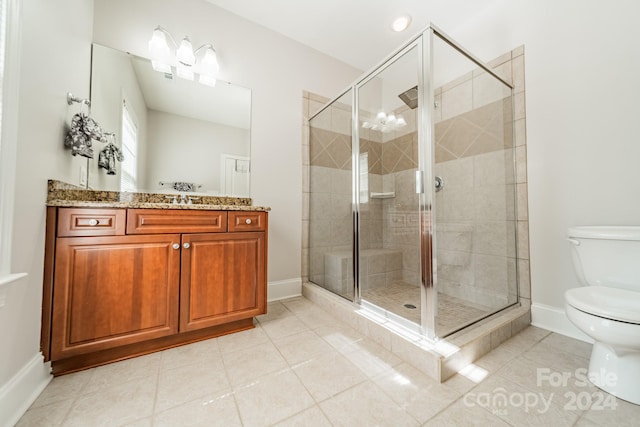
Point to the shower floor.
(452, 312)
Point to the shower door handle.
(419, 182)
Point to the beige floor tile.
(371, 358)
(312, 417)
(302, 347)
(610, 411)
(299, 355)
(298, 305)
(272, 398)
(459, 415)
(131, 369)
(208, 411)
(145, 422)
(242, 340)
(566, 344)
(46, 416)
(412, 390)
(463, 383)
(584, 422)
(328, 375)
(247, 365)
(114, 406)
(497, 358)
(275, 310)
(365, 405)
(512, 348)
(200, 353)
(543, 373)
(63, 388)
(186, 383)
(521, 406)
(315, 318)
(341, 337)
(284, 326)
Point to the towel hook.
(71, 99)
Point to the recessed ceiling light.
(401, 23)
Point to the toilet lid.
(610, 303)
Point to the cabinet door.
(113, 291)
(223, 278)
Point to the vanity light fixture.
(186, 62)
(401, 23)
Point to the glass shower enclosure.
(412, 190)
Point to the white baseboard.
(22, 390)
(283, 289)
(554, 319)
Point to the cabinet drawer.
(79, 222)
(151, 221)
(247, 221)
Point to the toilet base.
(616, 373)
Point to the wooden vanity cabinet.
(112, 291)
(164, 278)
(222, 278)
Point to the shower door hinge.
(419, 183)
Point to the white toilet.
(607, 308)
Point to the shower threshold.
(441, 358)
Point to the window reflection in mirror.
(169, 130)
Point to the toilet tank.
(606, 255)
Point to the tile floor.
(452, 312)
(301, 367)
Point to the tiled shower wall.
(474, 258)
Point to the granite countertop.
(61, 194)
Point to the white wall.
(275, 68)
(581, 65)
(188, 150)
(55, 58)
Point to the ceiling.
(225, 103)
(357, 32)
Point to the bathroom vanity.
(125, 278)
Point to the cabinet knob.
(93, 222)
(248, 221)
(186, 245)
(176, 246)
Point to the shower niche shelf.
(387, 195)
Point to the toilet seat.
(610, 303)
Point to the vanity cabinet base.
(90, 360)
(113, 292)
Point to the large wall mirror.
(175, 135)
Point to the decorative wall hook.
(74, 99)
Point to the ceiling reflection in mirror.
(174, 135)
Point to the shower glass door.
(388, 205)
(331, 199)
(475, 244)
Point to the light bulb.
(391, 119)
(400, 122)
(184, 54)
(381, 116)
(209, 64)
(401, 23)
(158, 47)
(366, 125)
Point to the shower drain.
(411, 306)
